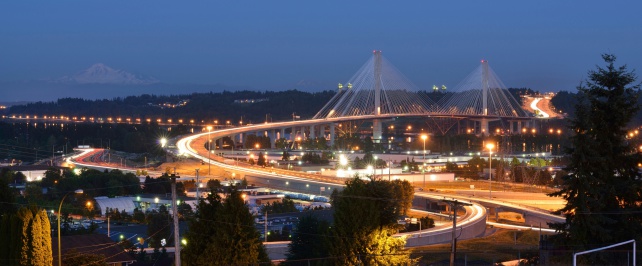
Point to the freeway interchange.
(473, 223)
(470, 225)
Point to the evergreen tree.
(222, 233)
(26, 238)
(309, 242)
(285, 156)
(285, 206)
(159, 226)
(602, 189)
(261, 160)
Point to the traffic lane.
(294, 185)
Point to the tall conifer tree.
(222, 233)
(26, 238)
(603, 186)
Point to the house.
(92, 244)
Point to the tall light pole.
(374, 173)
(209, 149)
(177, 241)
(198, 194)
(490, 148)
(77, 191)
(423, 168)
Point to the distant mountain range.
(102, 74)
(100, 81)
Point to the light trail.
(539, 111)
(474, 213)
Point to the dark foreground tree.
(603, 184)
(365, 218)
(310, 242)
(159, 227)
(222, 233)
(7, 198)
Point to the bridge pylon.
(483, 98)
(376, 123)
(377, 89)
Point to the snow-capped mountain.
(102, 74)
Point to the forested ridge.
(251, 106)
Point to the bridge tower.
(376, 123)
(484, 122)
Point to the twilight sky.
(544, 45)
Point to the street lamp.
(490, 148)
(343, 160)
(77, 191)
(374, 173)
(209, 149)
(423, 169)
(163, 141)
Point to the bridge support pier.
(376, 131)
(312, 133)
(272, 137)
(332, 134)
(484, 127)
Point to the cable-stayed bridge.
(378, 89)
(378, 92)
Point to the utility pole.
(198, 195)
(265, 233)
(177, 241)
(454, 204)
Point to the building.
(92, 244)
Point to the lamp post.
(177, 243)
(198, 194)
(77, 191)
(490, 147)
(423, 168)
(209, 149)
(374, 173)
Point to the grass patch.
(503, 245)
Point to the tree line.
(223, 106)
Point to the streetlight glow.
(163, 141)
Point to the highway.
(187, 145)
(474, 222)
(540, 111)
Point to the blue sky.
(544, 45)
